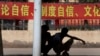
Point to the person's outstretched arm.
(72, 37)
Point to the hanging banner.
(71, 11)
(24, 10)
(16, 10)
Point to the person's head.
(64, 30)
(45, 28)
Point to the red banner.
(16, 10)
(71, 11)
(19, 10)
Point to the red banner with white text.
(21, 10)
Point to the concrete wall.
(11, 35)
(73, 0)
(89, 36)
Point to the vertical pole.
(37, 28)
(1, 43)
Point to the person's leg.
(48, 48)
(57, 54)
(68, 44)
(65, 53)
(58, 49)
(43, 50)
(66, 47)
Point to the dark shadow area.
(55, 42)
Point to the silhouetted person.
(59, 47)
(45, 38)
